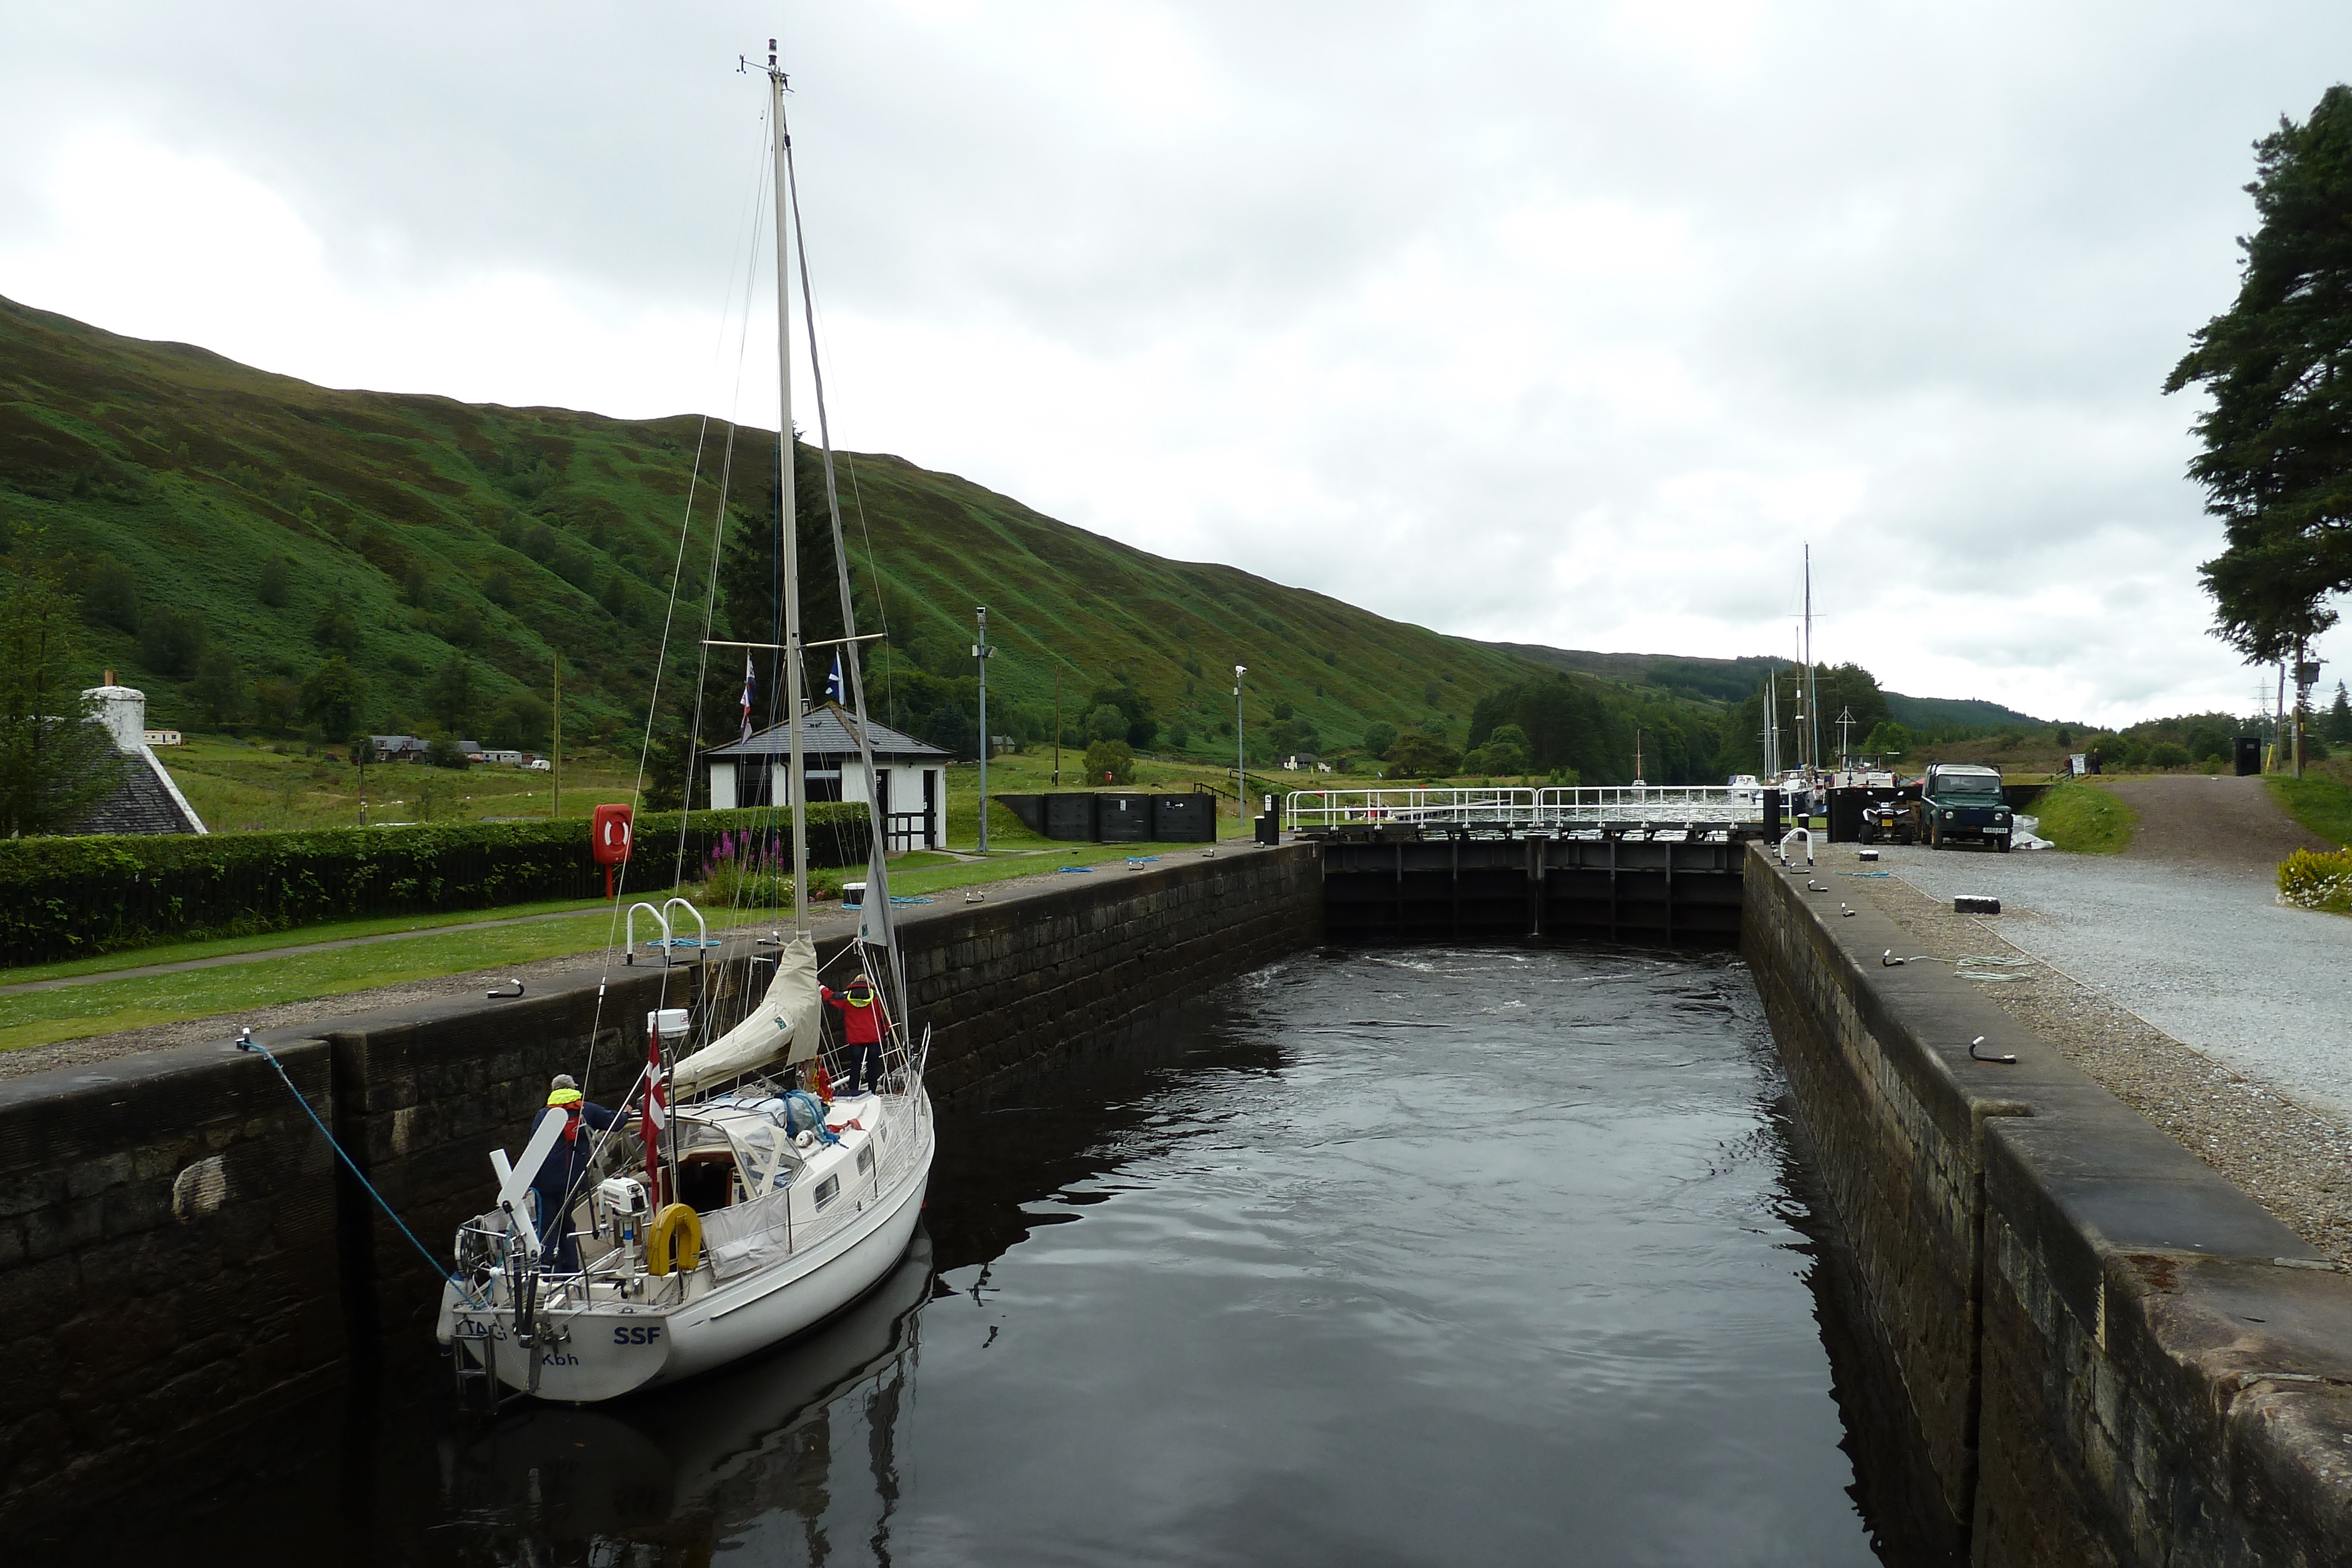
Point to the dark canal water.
(1373, 1258)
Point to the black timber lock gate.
(1464, 889)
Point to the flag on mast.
(748, 679)
(833, 682)
(656, 1114)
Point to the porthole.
(827, 1190)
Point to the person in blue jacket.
(561, 1176)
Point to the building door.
(931, 834)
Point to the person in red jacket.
(862, 1023)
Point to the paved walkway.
(2185, 930)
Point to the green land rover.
(1960, 803)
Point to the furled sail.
(782, 1028)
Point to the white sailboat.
(738, 1209)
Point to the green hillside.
(230, 532)
(1733, 680)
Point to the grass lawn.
(338, 931)
(2320, 803)
(251, 785)
(105, 1007)
(2086, 819)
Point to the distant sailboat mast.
(1813, 687)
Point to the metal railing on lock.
(1557, 809)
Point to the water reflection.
(669, 1478)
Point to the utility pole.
(983, 653)
(1057, 729)
(2306, 675)
(1241, 752)
(2278, 722)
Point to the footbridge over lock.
(1642, 863)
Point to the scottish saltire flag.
(654, 1117)
(747, 697)
(833, 682)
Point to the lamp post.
(981, 652)
(1241, 752)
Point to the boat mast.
(874, 919)
(787, 512)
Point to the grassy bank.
(2322, 803)
(106, 1007)
(2086, 819)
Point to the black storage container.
(1184, 818)
(1070, 818)
(2249, 755)
(1845, 815)
(1123, 819)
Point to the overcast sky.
(1566, 323)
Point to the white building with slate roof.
(911, 775)
(146, 802)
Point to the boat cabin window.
(865, 1159)
(706, 1167)
(706, 1182)
(827, 1190)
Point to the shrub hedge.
(75, 897)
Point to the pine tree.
(54, 764)
(2277, 460)
(2337, 728)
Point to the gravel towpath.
(2293, 1155)
(2212, 824)
(2198, 947)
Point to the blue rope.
(246, 1042)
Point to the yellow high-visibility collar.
(564, 1097)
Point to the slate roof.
(143, 803)
(825, 732)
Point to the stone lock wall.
(2112, 1355)
(168, 1260)
(180, 1251)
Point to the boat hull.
(606, 1349)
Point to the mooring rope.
(244, 1042)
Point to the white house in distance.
(912, 776)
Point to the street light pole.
(1241, 752)
(981, 652)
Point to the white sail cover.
(782, 1027)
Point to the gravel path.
(2205, 953)
(2213, 824)
(2284, 1149)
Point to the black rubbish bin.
(1269, 830)
(2249, 755)
(1772, 829)
(1845, 815)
